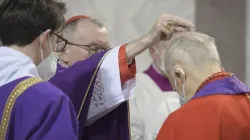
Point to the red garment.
(127, 71)
(214, 117)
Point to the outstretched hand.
(166, 25)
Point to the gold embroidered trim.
(90, 83)
(16, 92)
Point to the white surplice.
(14, 65)
(149, 107)
(108, 92)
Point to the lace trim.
(98, 99)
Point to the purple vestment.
(78, 82)
(40, 112)
(230, 86)
(160, 80)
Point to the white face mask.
(47, 68)
(182, 96)
(161, 67)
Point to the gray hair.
(191, 48)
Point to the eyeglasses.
(92, 49)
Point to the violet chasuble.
(29, 108)
(84, 82)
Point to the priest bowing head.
(190, 58)
(85, 36)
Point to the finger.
(190, 29)
(179, 29)
(180, 21)
(166, 33)
(165, 30)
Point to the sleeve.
(198, 122)
(127, 70)
(44, 112)
(109, 91)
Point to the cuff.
(127, 71)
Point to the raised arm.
(163, 29)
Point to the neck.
(199, 79)
(28, 50)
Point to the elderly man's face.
(87, 40)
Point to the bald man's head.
(189, 59)
(86, 36)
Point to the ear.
(179, 74)
(64, 57)
(44, 37)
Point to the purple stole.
(160, 80)
(77, 82)
(227, 86)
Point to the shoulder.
(235, 107)
(214, 102)
(46, 89)
(208, 107)
(204, 114)
(43, 91)
(198, 113)
(235, 117)
(221, 103)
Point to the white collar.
(14, 65)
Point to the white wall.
(128, 19)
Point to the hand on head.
(166, 25)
